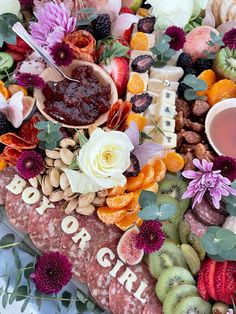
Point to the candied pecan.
(182, 105)
(202, 152)
(194, 126)
(187, 148)
(188, 161)
(200, 108)
(179, 121)
(180, 139)
(192, 137)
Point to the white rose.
(10, 6)
(102, 161)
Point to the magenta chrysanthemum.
(30, 80)
(52, 272)
(26, 3)
(177, 36)
(62, 54)
(207, 180)
(227, 165)
(151, 237)
(229, 39)
(29, 164)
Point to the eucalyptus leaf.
(51, 145)
(17, 259)
(11, 39)
(170, 53)
(41, 125)
(7, 240)
(12, 297)
(24, 306)
(82, 139)
(18, 278)
(81, 307)
(23, 246)
(1, 290)
(39, 298)
(5, 298)
(8, 283)
(92, 17)
(190, 94)
(231, 209)
(81, 297)
(167, 210)
(162, 47)
(87, 10)
(66, 295)
(57, 305)
(228, 255)
(216, 257)
(90, 305)
(21, 293)
(147, 198)
(209, 242)
(226, 238)
(150, 212)
(29, 272)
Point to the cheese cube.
(167, 96)
(166, 124)
(135, 53)
(165, 110)
(156, 86)
(169, 140)
(154, 96)
(143, 77)
(170, 73)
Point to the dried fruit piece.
(111, 215)
(141, 102)
(129, 220)
(3, 90)
(134, 168)
(174, 162)
(134, 183)
(118, 115)
(210, 78)
(139, 119)
(13, 89)
(139, 41)
(142, 63)
(119, 201)
(149, 173)
(135, 84)
(146, 25)
(221, 90)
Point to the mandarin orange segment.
(174, 162)
(140, 120)
(117, 190)
(159, 169)
(210, 78)
(129, 220)
(3, 90)
(119, 201)
(134, 183)
(134, 204)
(149, 173)
(111, 215)
(153, 187)
(139, 41)
(135, 84)
(221, 90)
(13, 89)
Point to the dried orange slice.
(140, 120)
(174, 162)
(3, 90)
(221, 90)
(119, 201)
(149, 173)
(111, 215)
(135, 84)
(210, 78)
(117, 190)
(17, 88)
(129, 220)
(3, 165)
(134, 183)
(139, 41)
(159, 169)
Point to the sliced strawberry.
(220, 280)
(119, 71)
(17, 56)
(126, 10)
(210, 268)
(127, 34)
(201, 283)
(20, 46)
(230, 282)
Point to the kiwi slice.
(177, 294)
(193, 305)
(184, 230)
(196, 243)
(225, 64)
(175, 188)
(168, 256)
(170, 278)
(170, 231)
(6, 62)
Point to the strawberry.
(126, 10)
(220, 280)
(127, 34)
(201, 283)
(225, 281)
(209, 271)
(119, 71)
(20, 47)
(17, 56)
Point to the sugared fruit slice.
(193, 305)
(174, 162)
(119, 201)
(146, 25)
(126, 248)
(135, 84)
(139, 41)
(142, 63)
(141, 102)
(139, 119)
(221, 90)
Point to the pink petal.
(112, 7)
(209, 19)
(190, 174)
(133, 133)
(123, 22)
(225, 27)
(146, 151)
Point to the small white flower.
(10, 6)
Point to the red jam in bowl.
(75, 103)
(223, 132)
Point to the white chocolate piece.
(113, 272)
(45, 205)
(83, 236)
(156, 85)
(169, 141)
(69, 224)
(31, 195)
(135, 53)
(139, 292)
(165, 110)
(143, 76)
(166, 124)
(17, 185)
(127, 279)
(102, 260)
(171, 73)
(154, 96)
(167, 96)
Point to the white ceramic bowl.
(51, 75)
(217, 108)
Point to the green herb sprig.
(162, 51)
(150, 209)
(215, 41)
(49, 134)
(231, 201)
(111, 49)
(7, 20)
(91, 14)
(194, 85)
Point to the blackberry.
(141, 102)
(146, 25)
(184, 61)
(5, 125)
(181, 89)
(134, 168)
(87, 28)
(202, 64)
(190, 71)
(142, 63)
(102, 26)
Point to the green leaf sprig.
(150, 209)
(195, 23)
(195, 85)
(162, 51)
(216, 40)
(231, 201)
(220, 243)
(49, 134)
(90, 13)
(7, 20)
(111, 49)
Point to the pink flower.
(29, 164)
(54, 22)
(177, 36)
(207, 180)
(30, 80)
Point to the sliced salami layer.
(99, 234)
(18, 212)
(98, 277)
(197, 227)
(6, 177)
(208, 215)
(122, 301)
(45, 230)
(154, 306)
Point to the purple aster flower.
(207, 180)
(177, 36)
(52, 272)
(151, 237)
(227, 165)
(30, 80)
(29, 164)
(54, 22)
(229, 39)
(62, 54)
